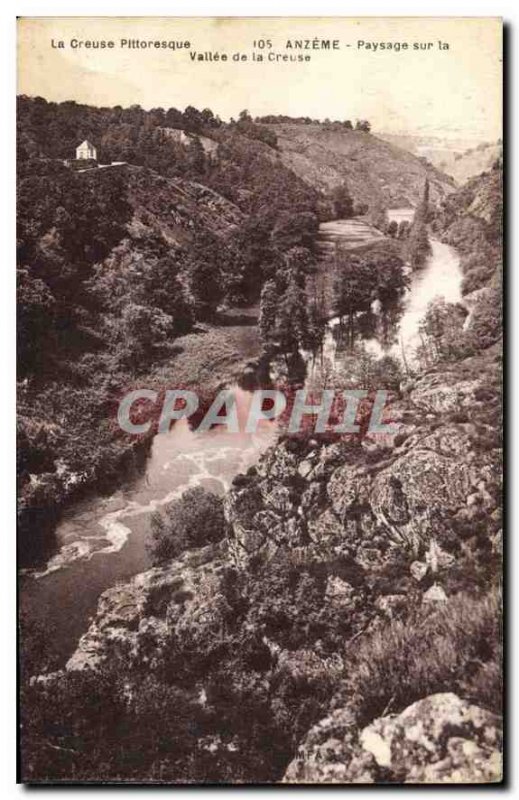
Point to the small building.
(86, 150)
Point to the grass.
(453, 648)
(212, 355)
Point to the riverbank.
(84, 454)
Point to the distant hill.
(375, 170)
(458, 158)
(472, 162)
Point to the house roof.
(86, 142)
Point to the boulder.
(440, 739)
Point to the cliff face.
(374, 170)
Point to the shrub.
(485, 325)
(453, 648)
(194, 520)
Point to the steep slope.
(352, 576)
(471, 220)
(375, 170)
(175, 208)
(460, 158)
(466, 165)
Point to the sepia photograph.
(259, 291)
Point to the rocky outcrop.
(137, 617)
(370, 506)
(394, 509)
(385, 524)
(176, 209)
(443, 393)
(440, 739)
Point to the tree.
(35, 320)
(194, 520)
(315, 329)
(423, 210)
(342, 202)
(363, 125)
(196, 159)
(292, 320)
(192, 119)
(486, 323)
(295, 229)
(441, 330)
(418, 245)
(139, 329)
(377, 215)
(403, 229)
(354, 289)
(207, 261)
(268, 314)
(392, 229)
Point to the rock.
(390, 604)
(440, 739)
(155, 606)
(437, 558)
(305, 468)
(418, 570)
(443, 392)
(435, 594)
(339, 592)
(347, 488)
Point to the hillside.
(471, 162)
(375, 171)
(115, 267)
(176, 209)
(459, 158)
(471, 220)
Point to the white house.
(86, 150)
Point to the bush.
(195, 520)
(454, 648)
(485, 324)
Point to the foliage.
(486, 323)
(377, 215)
(453, 648)
(442, 332)
(377, 274)
(471, 219)
(342, 202)
(194, 520)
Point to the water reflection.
(393, 328)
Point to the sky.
(452, 93)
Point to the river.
(102, 540)
(441, 276)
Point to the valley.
(255, 608)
